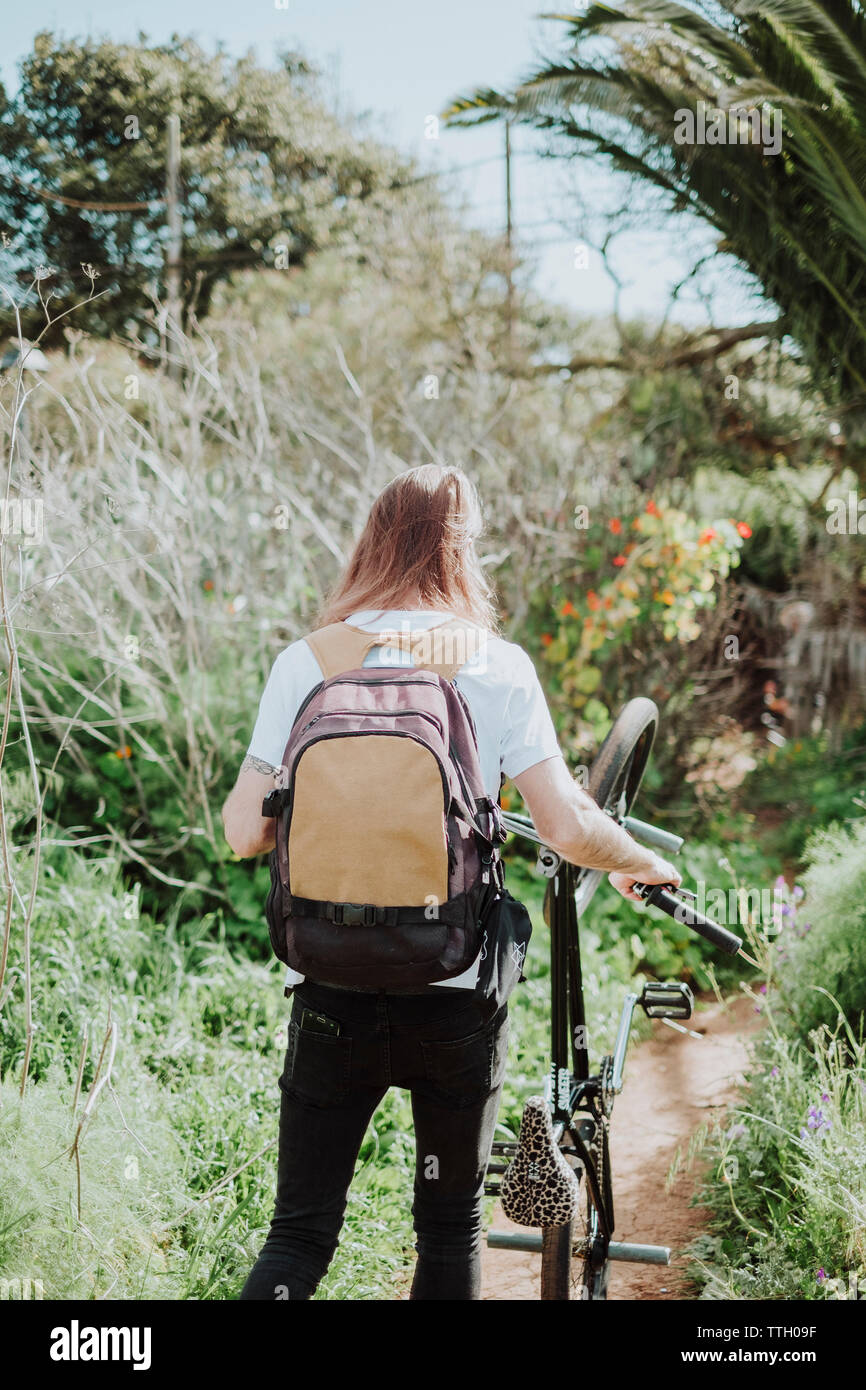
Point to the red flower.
(619, 561)
(593, 601)
(615, 525)
(567, 609)
(608, 603)
(124, 752)
(652, 509)
(208, 584)
(546, 639)
(706, 536)
(744, 529)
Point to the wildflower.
(744, 529)
(824, 1096)
(667, 597)
(615, 525)
(592, 600)
(567, 609)
(652, 509)
(608, 603)
(821, 1276)
(798, 893)
(763, 989)
(780, 882)
(124, 752)
(619, 560)
(208, 585)
(774, 1073)
(546, 639)
(707, 536)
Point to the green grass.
(178, 1160)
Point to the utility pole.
(174, 248)
(509, 245)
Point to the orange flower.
(652, 509)
(619, 560)
(208, 584)
(567, 610)
(627, 549)
(636, 524)
(608, 603)
(667, 597)
(592, 600)
(615, 525)
(546, 639)
(706, 536)
(744, 529)
(124, 752)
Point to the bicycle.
(562, 1157)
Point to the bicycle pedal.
(669, 999)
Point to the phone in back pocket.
(312, 1022)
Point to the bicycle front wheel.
(616, 774)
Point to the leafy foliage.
(265, 165)
(795, 218)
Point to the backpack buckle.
(354, 914)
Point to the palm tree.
(797, 218)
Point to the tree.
(268, 173)
(794, 211)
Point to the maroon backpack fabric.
(386, 857)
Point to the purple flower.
(798, 893)
(786, 911)
(821, 1276)
(763, 989)
(775, 1071)
(804, 1134)
(780, 882)
(824, 1096)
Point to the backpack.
(386, 859)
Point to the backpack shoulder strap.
(339, 648)
(447, 647)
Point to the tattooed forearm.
(260, 766)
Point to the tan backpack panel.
(379, 791)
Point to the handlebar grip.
(659, 896)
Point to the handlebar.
(652, 836)
(670, 900)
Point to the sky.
(402, 61)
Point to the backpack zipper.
(387, 714)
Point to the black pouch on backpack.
(506, 932)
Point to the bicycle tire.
(616, 774)
(556, 1247)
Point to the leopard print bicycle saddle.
(539, 1187)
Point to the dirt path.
(673, 1084)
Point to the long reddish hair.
(419, 540)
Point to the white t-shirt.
(512, 720)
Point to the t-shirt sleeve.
(293, 675)
(528, 736)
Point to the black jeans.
(449, 1053)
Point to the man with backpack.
(373, 778)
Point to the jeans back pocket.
(464, 1071)
(318, 1067)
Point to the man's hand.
(657, 871)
